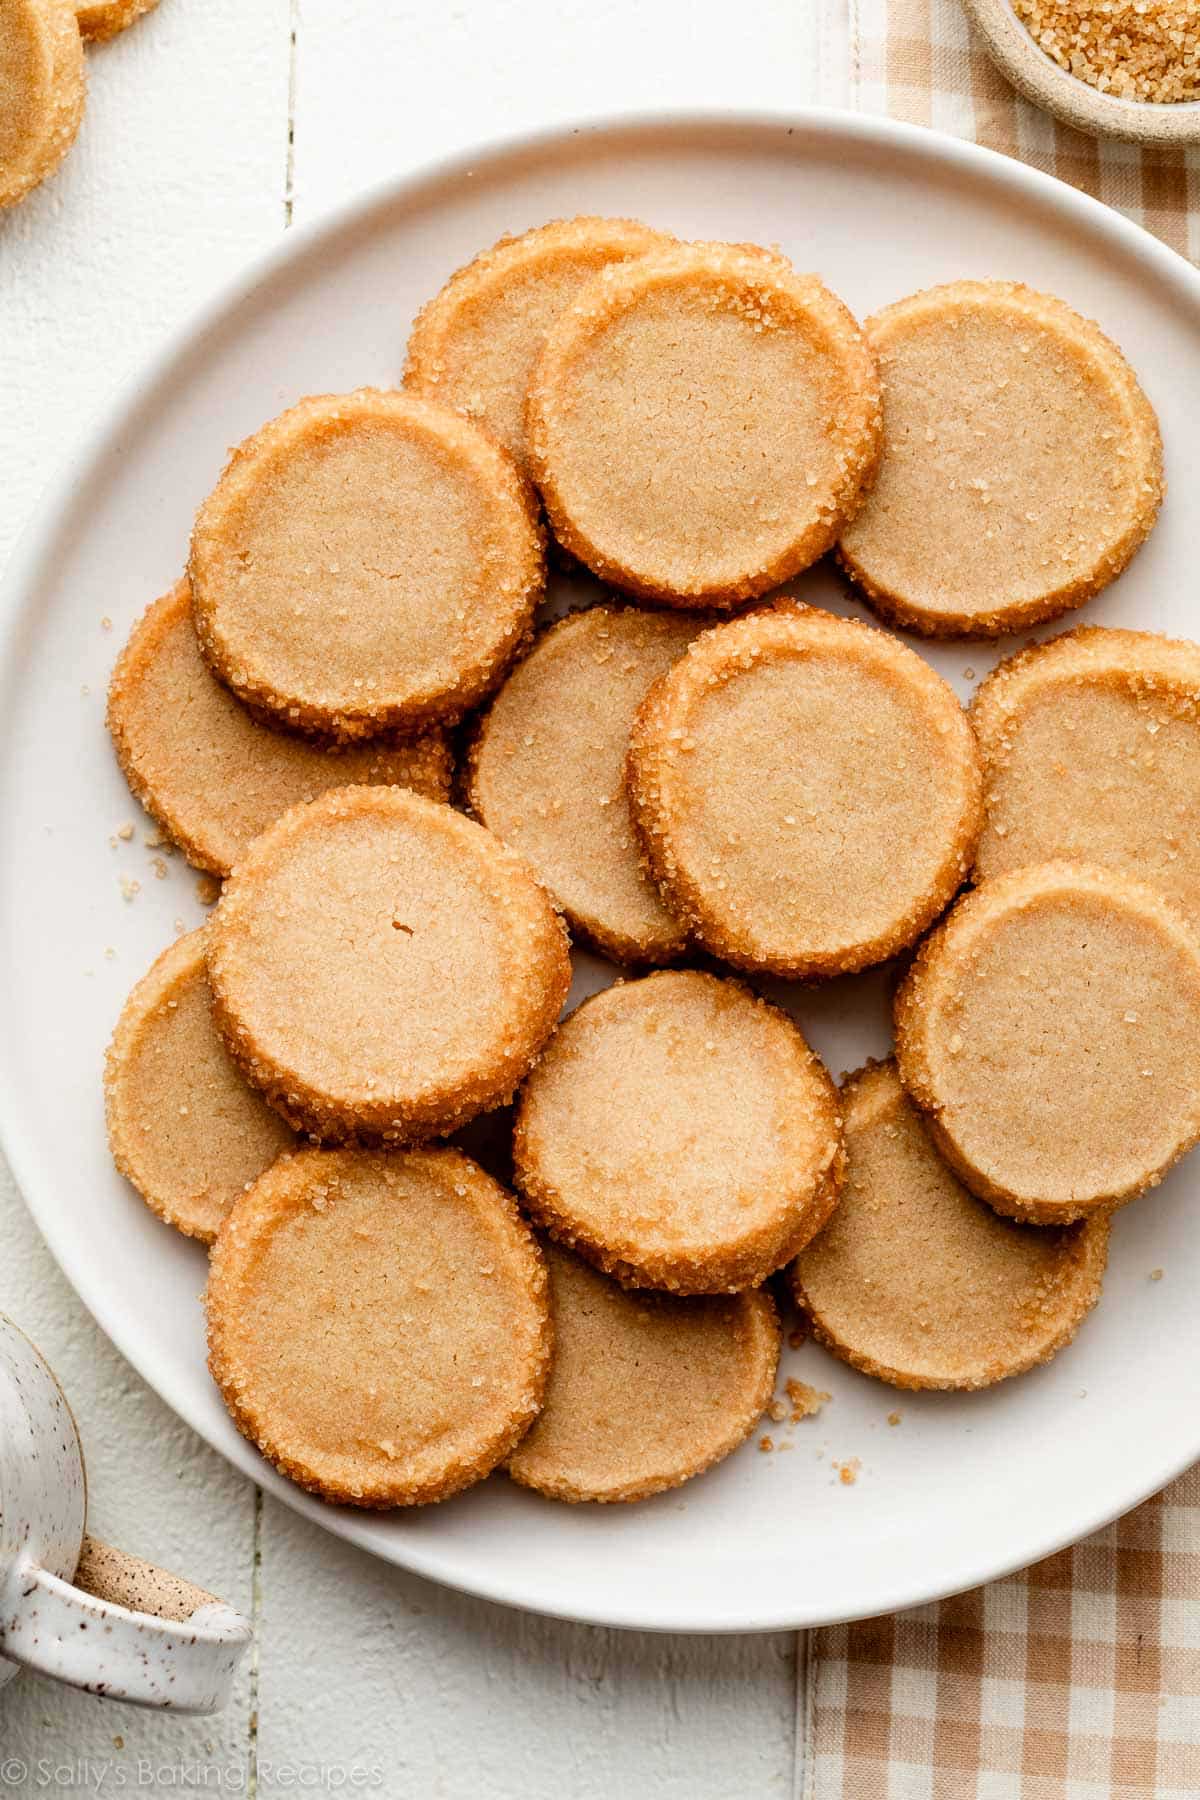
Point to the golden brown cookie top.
(546, 772)
(210, 773)
(1021, 468)
(916, 1281)
(807, 791)
(702, 422)
(42, 90)
(384, 967)
(183, 1126)
(1050, 1030)
(1091, 753)
(378, 1322)
(367, 561)
(679, 1133)
(645, 1390)
(474, 345)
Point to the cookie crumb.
(797, 1338)
(1156, 1274)
(894, 1418)
(806, 1401)
(848, 1471)
(130, 887)
(766, 1443)
(125, 832)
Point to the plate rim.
(36, 541)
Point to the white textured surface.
(181, 169)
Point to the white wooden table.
(210, 126)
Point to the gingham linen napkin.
(918, 60)
(1078, 1679)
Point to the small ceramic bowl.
(73, 1608)
(1075, 102)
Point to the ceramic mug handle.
(128, 1631)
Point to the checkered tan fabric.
(918, 60)
(1076, 1680)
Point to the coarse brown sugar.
(1145, 50)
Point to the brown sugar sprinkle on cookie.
(183, 1126)
(208, 771)
(646, 1390)
(1021, 466)
(367, 562)
(100, 20)
(475, 344)
(546, 773)
(702, 423)
(378, 1323)
(1033, 977)
(1091, 753)
(679, 1133)
(383, 968)
(807, 792)
(920, 1284)
(42, 91)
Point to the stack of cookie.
(676, 777)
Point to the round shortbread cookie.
(100, 20)
(1050, 1031)
(916, 1281)
(378, 1323)
(646, 1390)
(209, 772)
(367, 562)
(679, 1133)
(43, 85)
(1091, 753)
(807, 792)
(475, 344)
(547, 766)
(183, 1126)
(702, 423)
(383, 968)
(1021, 467)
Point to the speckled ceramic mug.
(71, 1607)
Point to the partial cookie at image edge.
(43, 88)
(100, 20)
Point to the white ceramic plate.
(967, 1486)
